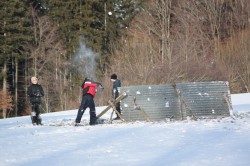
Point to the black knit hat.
(87, 79)
(113, 76)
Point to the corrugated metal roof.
(178, 101)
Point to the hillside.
(217, 142)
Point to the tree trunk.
(16, 87)
(165, 35)
(5, 85)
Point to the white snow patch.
(218, 142)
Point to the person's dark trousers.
(87, 101)
(35, 114)
(118, 108)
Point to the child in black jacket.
(35, 92)
(115, 92)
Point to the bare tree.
(176, 41)
(5, 98)
(235, 55)
(157, 51)
(49, 62)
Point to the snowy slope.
(217, 142)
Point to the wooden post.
(146, 117)
(178, 93)
(114, 109)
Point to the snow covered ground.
(217, 142)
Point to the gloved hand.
(37, 93)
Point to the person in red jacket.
(88, 92)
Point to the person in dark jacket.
(88, 94)
(35, 92)
(115, 92)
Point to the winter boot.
(39, 121)
(92, 121)
(117, 118)
(34, 120)
(77, 124)
(92, 118)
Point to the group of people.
(89, 87)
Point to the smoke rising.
(85, 60)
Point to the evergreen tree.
(39, 5)
(14, 28)
(15, 33)
(97, 22)
(115, 16)
(76, 19)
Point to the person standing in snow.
(35, 92)
(115, 93)
(88, 94)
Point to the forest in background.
(142, 41)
